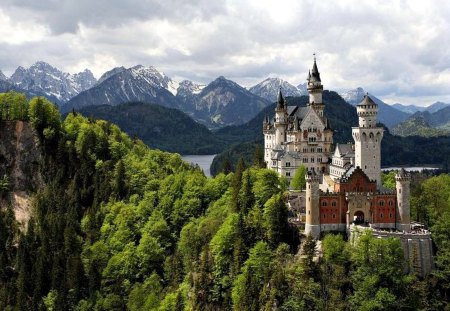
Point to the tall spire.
(315, 74)
(280, 101)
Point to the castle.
(343, 187)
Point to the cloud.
(396, 49)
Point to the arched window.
(324, 203)
(333, 203)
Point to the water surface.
(204, 161)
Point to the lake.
(204, 161)
(410, 169)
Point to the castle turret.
(367, 138)
(402, 181)
(315, 89)
(280, 120)
(312, 224)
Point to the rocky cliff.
(20, 162)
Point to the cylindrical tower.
(367, 138)
(315, 89)
(402, 181)
(280, 120)
(312, 225)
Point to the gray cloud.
(394, 49)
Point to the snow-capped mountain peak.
(43, 79)
(353, 96)
(154, 77)
(268, 89)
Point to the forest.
(119, 226)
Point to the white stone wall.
(368, 151)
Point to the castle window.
(288, 174)
(390, 215)
(288, 164)
(324, 215)
(390, 203)
(381, 203)
(305, 149)
(305, 160)
(333, 203)
(319, 149)
(381, 215)
(324, 203)
(312, 149)
(312, 160)
(334, 215)
(274, 162)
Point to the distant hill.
(411, 109)
(387, 114)
(425, 124)
(159, 127)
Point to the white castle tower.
(402, 180)
(312, 223)
(280, 120)
(367, 138)
(315, 89)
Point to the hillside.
(159, 127)
(118, 226)
(425, 124)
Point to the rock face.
(44, 79)
(120, 85)
(224, 102)
(20, 161)
(268, 89)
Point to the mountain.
(387, 114)
(110, 73)
(425, 124)
(2, 76)
(44, 79)
(436, 107)
(408, 108)
(187, 92)
(138, 83)
(411, 109)
(268, 89)
(159, 127)
(224, 102)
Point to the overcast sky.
(396, 50)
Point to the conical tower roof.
(367, 101)
(280, 100)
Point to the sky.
(397, 50)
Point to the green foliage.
(388, 180)
(44, 117)
(255, 274)
(118, 226)
(13, 106)
(298, 181)
(159, 127)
